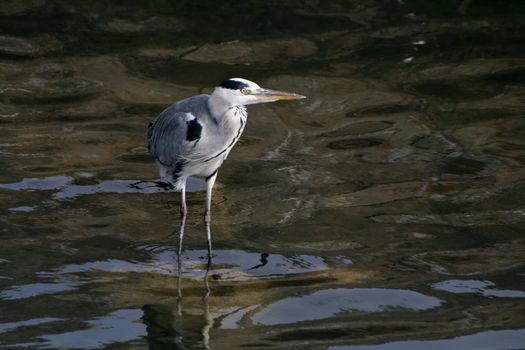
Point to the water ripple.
(330, 302)
(119, 326)
(65, 188)
(490, 340)
(484, 288)
(227, 264)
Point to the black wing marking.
(194, 129)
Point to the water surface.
(385, 211)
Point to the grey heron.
(194, 136)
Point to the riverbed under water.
(385, 211)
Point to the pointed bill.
(277, 95)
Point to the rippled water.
(385, 211)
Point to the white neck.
(218, 105)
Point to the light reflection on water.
(119, 326)
(228, 264)
(232, 320)
(35, 289)
(5, 327)
(65, 188)
(23, 209)
(331, 302)
(490, 340)
(484, 288)
(235, 265)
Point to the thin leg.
(183, 208)
(183, 211)
(207, 214)
(179, 282)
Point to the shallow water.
(385, 211)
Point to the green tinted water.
(385, 211)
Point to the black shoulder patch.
(194, 130)
(233, 84)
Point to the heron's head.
(240, 91)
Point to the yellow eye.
(245, 91)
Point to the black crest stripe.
(233, 84)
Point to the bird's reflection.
(207, 315)
(174, 326)
(263, 260)
(208, 324)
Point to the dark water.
(386, 211)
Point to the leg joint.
(211, 175)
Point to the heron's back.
(186, 140)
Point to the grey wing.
(171, 136)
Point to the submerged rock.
(398, 31)
(326, 245)
(430, 146)
(307, 176)
(44, 82)
(19, 7)
(470, 261)
(355, 143)
(164, 53)
(476, 68)
(376, 195)
(111, 74)
(509, 102)
(153, 24)
(249, 53)
(30, 47)
(497, 217)
(332, 100)
(360, 128)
